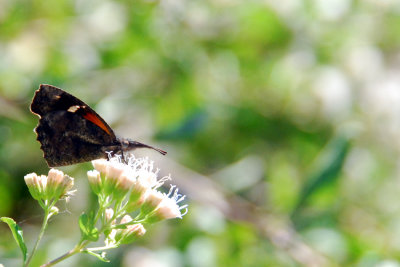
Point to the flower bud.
(124, 184)
(131, 233)
(42, 184)
(54, 179)
(137, 196)
(53, 211)
(58, 184)
(118, 178)
(151, 202)
(126, 219)
(51, 187)
(32, 181)
(168, 208)
(94, 181)
(109, 213)
(100, 165)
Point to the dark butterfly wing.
(49, 98)
(69, 130)
(67, 138)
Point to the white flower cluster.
(135, 185)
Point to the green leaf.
(17, 233)
(101, 256)
(329, 165)
(83, 222)
(88, 230)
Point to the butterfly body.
(71, 132)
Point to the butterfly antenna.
(162, 152)
(136, 144)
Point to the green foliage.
(88, 230)
(330, 165)
(17, 234)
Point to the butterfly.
(70, 132)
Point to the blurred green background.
(281, 119)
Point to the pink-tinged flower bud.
(126, 181)
(167, 210)
(151, 202)
(123, 186)
(51, 187)
(168, 207)
(131, 233)
(137, 196)
(42, 184)
(126, 219)
(115, 180)
(54, 179)
(109, 213)
(67, 184)
(32, 182)
(100, 165)
(109, 185)
(118, 177)
(94, 181)
(114, 169)
(120, 233)
(58, 184)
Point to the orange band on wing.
(93, 118)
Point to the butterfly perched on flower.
(70, 132)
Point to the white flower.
(116, 182)
(51, 187)
(168, 207)
(134, 181)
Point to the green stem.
(100, 248)
(44, 225)
(78, 248)
(83, 243)
(103, 204)
(99, 213)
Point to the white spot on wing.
(73, 108)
